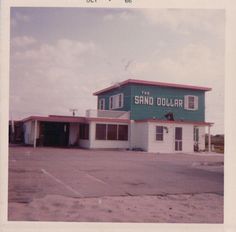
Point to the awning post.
(209, 138)
(35, 133)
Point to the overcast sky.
(60, 56)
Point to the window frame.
(98, 136)
(118, 132)
(116, 101)
(112, 135)
(158, 133)
(101, 104)
(189, 100)
(84, 131)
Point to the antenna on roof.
(73, 111)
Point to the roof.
(55, 118)
(176, 122)
(151, 83)
(73, 119)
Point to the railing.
(107, 114)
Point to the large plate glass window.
(101, 132)
(123, 132)
(111, 132)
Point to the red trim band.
(151, 83)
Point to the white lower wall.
(139, 135)
(201, 144)
(84, 143)
(188, 141)
(165, 146)
(168, 143)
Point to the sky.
(61, 56)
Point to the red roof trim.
(55, 119)
(58, 118)
(152, 83)
(108, 120)
(177, 122)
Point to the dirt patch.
(182, 208)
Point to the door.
(178, 138)
(196, 138)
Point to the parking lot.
(79, 174)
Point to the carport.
(51, 131)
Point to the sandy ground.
(194, 208)
(114, 186)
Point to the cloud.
(124, 16)
(64, 53)
(22, 41)
(49, 78)
(191, 62)
(108, 17)
(184, 21)
(19, 18)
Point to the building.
(16, 133)
(134, 114)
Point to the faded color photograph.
(116, 115)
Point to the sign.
(145, 99)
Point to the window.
(116, 101)
(111, 102)
(120, 100)
(178, 133)
(101, 104)
(101, 132)
(84, 131)
(190, 102)
(178, 138)
(111, 132)
(123, 132)
(159, 133)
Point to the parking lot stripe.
(61, 182)
(96, 179)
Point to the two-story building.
(134, 114)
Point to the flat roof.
(73, 119)
(176, 121)
(55, 118)
(151, 83)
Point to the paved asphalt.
(34, 173)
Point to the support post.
(209, 138)
(35, 133)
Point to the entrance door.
(178, 138)
(55, 134)
(196, 138)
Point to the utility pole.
(73, 111)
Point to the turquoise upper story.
(155, 100)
